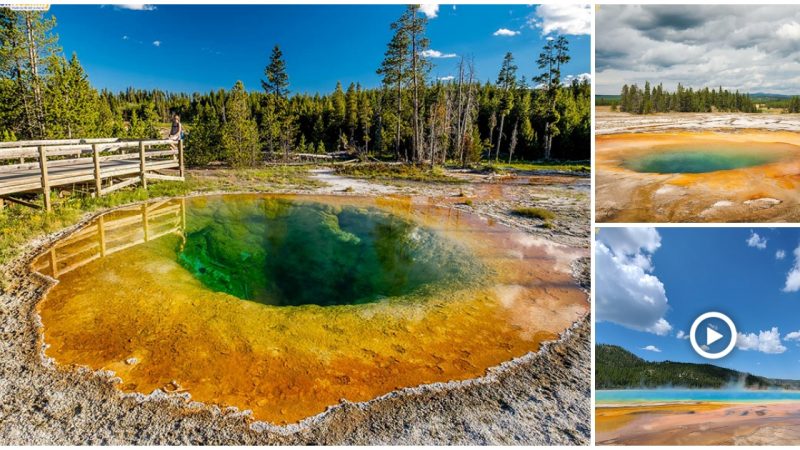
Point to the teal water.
(286, 252)
(698, 395)
(696, 161)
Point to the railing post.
(142, 164)
(144, 222)
(180, 157)
(183, 214)
(98, 185)
(54, 262)
(45, 179)
(101, 231)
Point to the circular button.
(711, 335)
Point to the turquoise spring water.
(678, 160)
(696, 395)
(286, 252)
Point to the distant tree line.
(793, 106)
(617, 368)
(636, 100)
(409, 118)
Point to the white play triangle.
(712, 336)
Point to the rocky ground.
(608, 122)
(542, 398)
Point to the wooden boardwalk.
(105, 164)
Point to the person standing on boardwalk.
(176, 132)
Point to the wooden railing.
(112, 233)
(27, 166)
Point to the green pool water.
(689, 160)
(286, 252)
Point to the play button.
(717, 327)
(712, 336)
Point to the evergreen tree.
(239, 139)
(794, 105)
(647, 103)
(351, 111)
(339, 110)
(415, 25)
(365, 114)
(553, 56)
(277, 82)
(204, 142)
(394, 69)
(26, 42)
(137, 129)
(71, 103)
(506, 80)
(277, 129)
(527, 134)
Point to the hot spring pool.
(698, 159)
(284, 305)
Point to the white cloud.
(682, 335)
(765, 341)
(430, 10)
(652, 348)
(157, 43)
(431, 53)
(564, 18)
(627, 293)
(789, 31)
(793, 277)
(580, 77)
(780, 254)
(447, 78)
(756, 241)
(793, 336)
(135, 7)
(661, 327)
(636, 243)
(505, 32)
(125, 38)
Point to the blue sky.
(202, 47)
(652, 284)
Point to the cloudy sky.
(652, 283)
(749, 48)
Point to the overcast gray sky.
(749, 48)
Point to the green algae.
(287, 253)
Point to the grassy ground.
(19, 224)
(536, 213)
(538, 166)
(260, 179)
(408, 172)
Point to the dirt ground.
(700, 423)
(608, 122)
(542, 398)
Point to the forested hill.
(617, 368)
